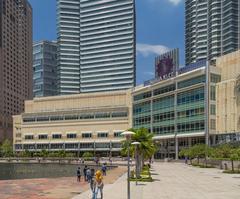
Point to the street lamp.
(128, 135)
(136, 144)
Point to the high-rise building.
(96, 45)
(212, 28)
(15, 61)
(45, 68)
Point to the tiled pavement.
(177, 181)
(52, 188)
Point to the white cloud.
(175, 2)
(149, 73)
(146, 49)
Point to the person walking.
(98, 184)
(104, 169)
(78, 174)
(85, 172)
(88, 173)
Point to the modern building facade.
(96, 45)
(15, 61)
(45, 68)
(212, 28)
(179, 111)
(228, 98)
(77, 123)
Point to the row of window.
(72, 136)
(76, 117)
(69, 146)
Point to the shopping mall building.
(77, 123)
(199, 103)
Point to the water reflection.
(30, 170)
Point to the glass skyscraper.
(96, 41)
(45, 68)
(212, 28)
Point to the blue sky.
(160, 26)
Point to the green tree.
(6, 148)
(144, 150)
(234, 156)
(87, 155)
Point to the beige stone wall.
(228, 106)
(79, 101)
(94, 102)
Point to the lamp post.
(128, 135)
(136, 144)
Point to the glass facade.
(188, 113)
(45, 69)
(96, 45)
(175, 110)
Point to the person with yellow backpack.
(97, 184)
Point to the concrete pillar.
(176, 148)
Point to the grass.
(202, 165)
(232, 172)
(145, 176)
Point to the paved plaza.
(176, 181)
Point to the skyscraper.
(212, 28)
(45, 68)
(15, 61)
(96, 45)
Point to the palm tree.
(144, 150)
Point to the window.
(102, 135)
(29, 119)
(102, 145)
(213, 124)
(71, 135)
(118, 134)
(71, 117)
(86, 116)
(119, 114)
(42, 119)
(29, 137)
(213, 93)
(190, 82)
(215, 78)
(86, 135)
(102, 115)
(213, 109)
(56, 136)
(142, 96)
(116, 145)
(42, 137)
(164, 89)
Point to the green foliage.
(146, 147)
(6, 148)
(62, 154)
(87, 155)
(224, 152)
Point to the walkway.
(177, 181)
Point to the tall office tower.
(96, 45)
(45, 68)
(212, 28)
(15, 61)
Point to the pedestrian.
(98, 185)
(104, 169)
(78, 174)
(85, 172)
(92, 172)
(88, 173)
(186, 159)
